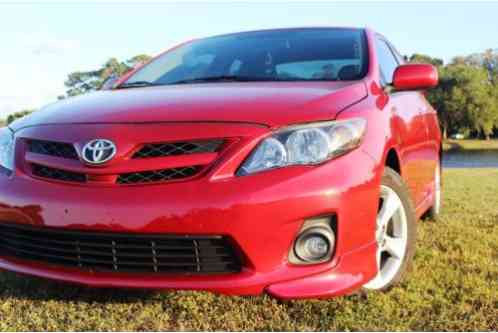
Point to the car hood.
(268, 103)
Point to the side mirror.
(415, 77)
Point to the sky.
(43, 42)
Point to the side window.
(387, 61)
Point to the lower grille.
(157, 175)
(99, 251)
(142, 177)
(58, 174)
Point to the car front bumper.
(262, 213)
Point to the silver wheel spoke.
(394, 246)
(389, 208)
(378, 257)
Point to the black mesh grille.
(57, 174)
(157, 175)
(141, 253)
(177, 148)
(52, 148)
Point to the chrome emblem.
(98, 151)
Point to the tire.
(435, 211)
(396, 232)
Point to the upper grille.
(58, 174)
(157, 175)
(99, 251)
(177, 148)
(52, 148)
(128, 176)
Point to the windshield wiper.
(136, 84)
(222, 78)
(209, 79)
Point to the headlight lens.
(308, 145)
(305, 145)
(6, 149)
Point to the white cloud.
(54, 47)
(43, 42)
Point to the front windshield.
(278, 55)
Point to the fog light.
(314, 244)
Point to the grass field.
(453, 286)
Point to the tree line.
(466, 98)
(467, 95)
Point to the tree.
(425, 59)
(18, 115)
(465, 99)
(487, 60)
(81, 82)
(467, 95)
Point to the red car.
(294, 162)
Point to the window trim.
(382, 80)
(397, 54)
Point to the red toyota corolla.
(294, 162)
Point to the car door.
(433, 147)
(410, 128)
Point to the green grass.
(453, 286)
(470, 145)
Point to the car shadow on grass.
(32, 288)
(25, 287)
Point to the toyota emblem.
(99, 151)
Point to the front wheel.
(395, 232)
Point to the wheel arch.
(392, 160)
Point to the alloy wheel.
(392, 238)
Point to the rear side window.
(387, 61)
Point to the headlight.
(6, 149)
(305, 145)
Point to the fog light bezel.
(324, 227)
